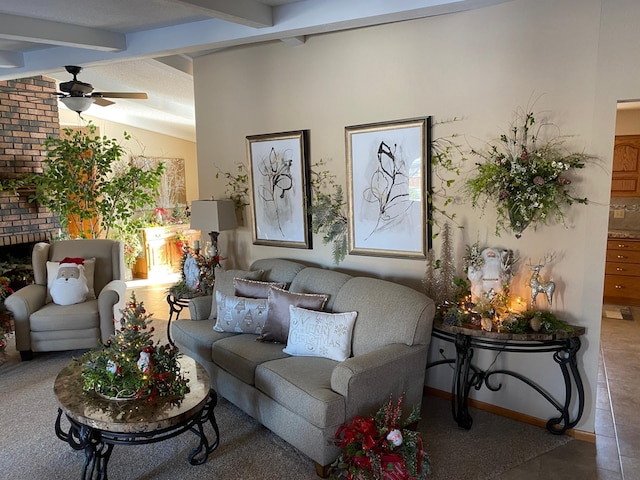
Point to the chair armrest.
(111, 301)
(22, 304)
(200, 307)
(366, 381)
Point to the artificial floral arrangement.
(381, 447)
(527, 179)
(130, 365)
(5, 315)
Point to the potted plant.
(88, 185)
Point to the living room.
(568, 60)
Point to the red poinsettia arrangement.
(381, 447)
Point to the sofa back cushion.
(319, 280)
(278, 270)
(387, 313)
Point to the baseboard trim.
(512, 414)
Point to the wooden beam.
(14, 27)
(243, 12)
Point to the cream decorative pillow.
(52, 274)
(254, 288)
(240, 314)
(224, 284)
(320, 334)
(276, 328)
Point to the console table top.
(475, 331)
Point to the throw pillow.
(254, 288)
(240, 314)
(224, 284)
(70, 284)
(276, 328)
(89, 268)
(320, 334)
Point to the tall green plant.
(84, 181)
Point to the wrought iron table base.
(98, 444)
(467, 375)
(176, 305)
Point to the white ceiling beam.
(11, 59)
(294, 41)
(13, 27)
(182, 63)
(244, 12)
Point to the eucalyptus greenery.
(328, 210)
(237, 185)
(526, 176)
(86, 182)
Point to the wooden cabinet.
(622, 272)
(625, 177)
(161, 254)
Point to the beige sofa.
(305, 399)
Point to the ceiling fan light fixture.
(77, 104)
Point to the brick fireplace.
(28, 115)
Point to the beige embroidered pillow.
(320, 334)
(224, 284)
(240, 314)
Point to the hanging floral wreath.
(528, 181)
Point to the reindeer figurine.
(538, 286)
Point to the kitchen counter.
(631, 234)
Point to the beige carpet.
(30, 450)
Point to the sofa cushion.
(197, 336)
(53, 317)
(241, 354)
(253, 288)
(303, 385)
(276, 328)
(224, 284)
(240, 314)
(320, 280)
(320, 334)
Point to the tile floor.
(615, 454)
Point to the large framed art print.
(388, 167)
(280, 189)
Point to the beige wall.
(144, 142)
(555, 57)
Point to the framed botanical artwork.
(388, 177)
(280, 189)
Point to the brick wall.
(28, 115)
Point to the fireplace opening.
(15, 264)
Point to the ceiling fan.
(79, 96)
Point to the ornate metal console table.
(563, 345)
(97, 424)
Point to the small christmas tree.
(129, 365)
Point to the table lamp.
(213, 216)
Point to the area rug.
(30, 450)
(618, 313)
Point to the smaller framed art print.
(388, 167)
(280, 189)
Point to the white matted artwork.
(388, 176)
(280, 189)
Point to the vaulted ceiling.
(149, 45)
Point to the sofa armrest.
(200, 308)
(367, 380)
(22, 304)
(111, 302)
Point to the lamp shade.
(213, 215)
(77, 104)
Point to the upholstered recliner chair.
(43, 326)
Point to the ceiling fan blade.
(135, 95)
(103, 102)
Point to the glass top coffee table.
(97, 424)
